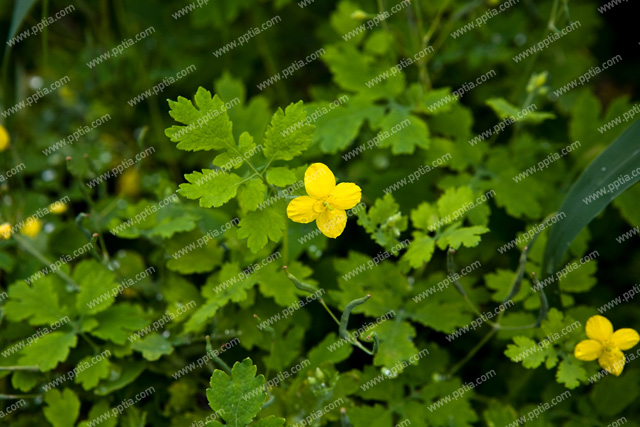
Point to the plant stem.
(26, 246)
(329, 311)
(18, 396)
(473, 351)
(20, 368)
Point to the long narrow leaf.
(608, 176)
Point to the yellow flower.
(5, 231)
(326, 203)
(605, 345)
(4, 138)
(32, 228)
(58, 208)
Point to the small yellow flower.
(5, 231)
(129, 183)
(326, 203)
(4, 138)
(58, 208)
(32, 228)
(605, 345)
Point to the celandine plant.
(426, 240)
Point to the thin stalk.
(285, 241)
(381, 10)
(473, 351)
(26, 246)
(18, 396)
(324, 304)
(20, 368)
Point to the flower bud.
(359, 15)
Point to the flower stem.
(26, 246)
(20, 368)
(473, 351)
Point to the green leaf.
(271, 421)
(118, 322)
(47, 351)
(384, 221)
(455, 237)
(420, 250)
(20, 12)
(436, 307)
(97, 410)
(236, 157)
(570, 373)
(527, 351)
(501, 281)
(153, 346)
(396, 342)
(504, 109)
(288, 134)
(190, 254)
(425, 216)
(280, 177)
(385, 283)
(404, 141)
(327, 351)
(209, 125)
(38, 303)
(352, 70)
(62, 408)
(25, 380)
(134, 417)
(96, 287)
(613, 394)
(342, 21)
(128, 374)
(238, 398)
(260, 226)
(90, 373)
(251, 194)
(173, 219)
(213, 188)
(499, 414)
(274, 283)
(590, 194)
(579, 277)
(336, 128)
(370, 416)
(452, 200)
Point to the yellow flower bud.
(541, 79)
(58, 208)
(359, 15)
(4, 138)
(32, 228)
(5, 230)
(129, 183)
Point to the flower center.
(609, 346)
(319, 206)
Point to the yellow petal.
(332, 222)
(588, 350)
(612, 361)
(4, 138)
(32, 228)
(319, 181)
(345, 196)
(301, 210)
(625, 338)
(599, 328)
(5, 230)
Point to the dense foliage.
(170, 257)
